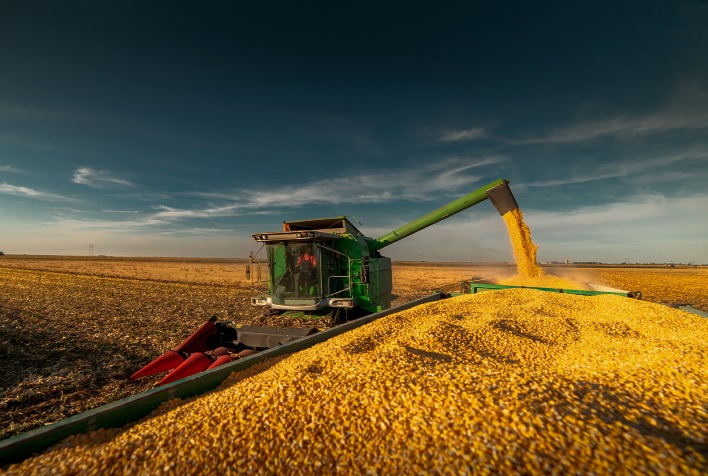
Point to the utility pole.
(90, 250)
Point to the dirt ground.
(72, 330)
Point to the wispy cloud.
(640, 169)
(427, 182)
(11, 169)
(153, 223)
(409, 184)
(27, 142)
(174, 213)
(645, 218)
(99, 179)
(639, 228)
(21, 191)
(634, 209)
(626, 127)
(121, 226)
(198, 231)
(460, 135)
(430, 181)
(685, 108)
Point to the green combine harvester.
(327, 264)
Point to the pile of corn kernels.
(511, 381)
(544, 281)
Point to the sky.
(182, 128)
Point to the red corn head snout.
(223, 359)
(195, 363)
(196, 342)
(167, 361)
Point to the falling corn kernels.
(529, 272)
(522, 245)
(511, 381)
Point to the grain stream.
(523, 246)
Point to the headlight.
(259, 301)
(348, 303)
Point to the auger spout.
(498, 192)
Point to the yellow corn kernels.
(523, 246)
(511, 381)
(529, 272)
(543, 281)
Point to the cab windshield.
(296, 271)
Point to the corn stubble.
(514, 380)
(69, 342)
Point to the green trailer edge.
(135, 407)
(475, 288)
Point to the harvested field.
(226, 272)
(70, 341)
(73, 330)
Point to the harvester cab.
(321, 267)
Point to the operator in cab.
(305, 272)
(307, 258)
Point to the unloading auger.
(320, 267)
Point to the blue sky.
(182, 128)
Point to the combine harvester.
(322, 267)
